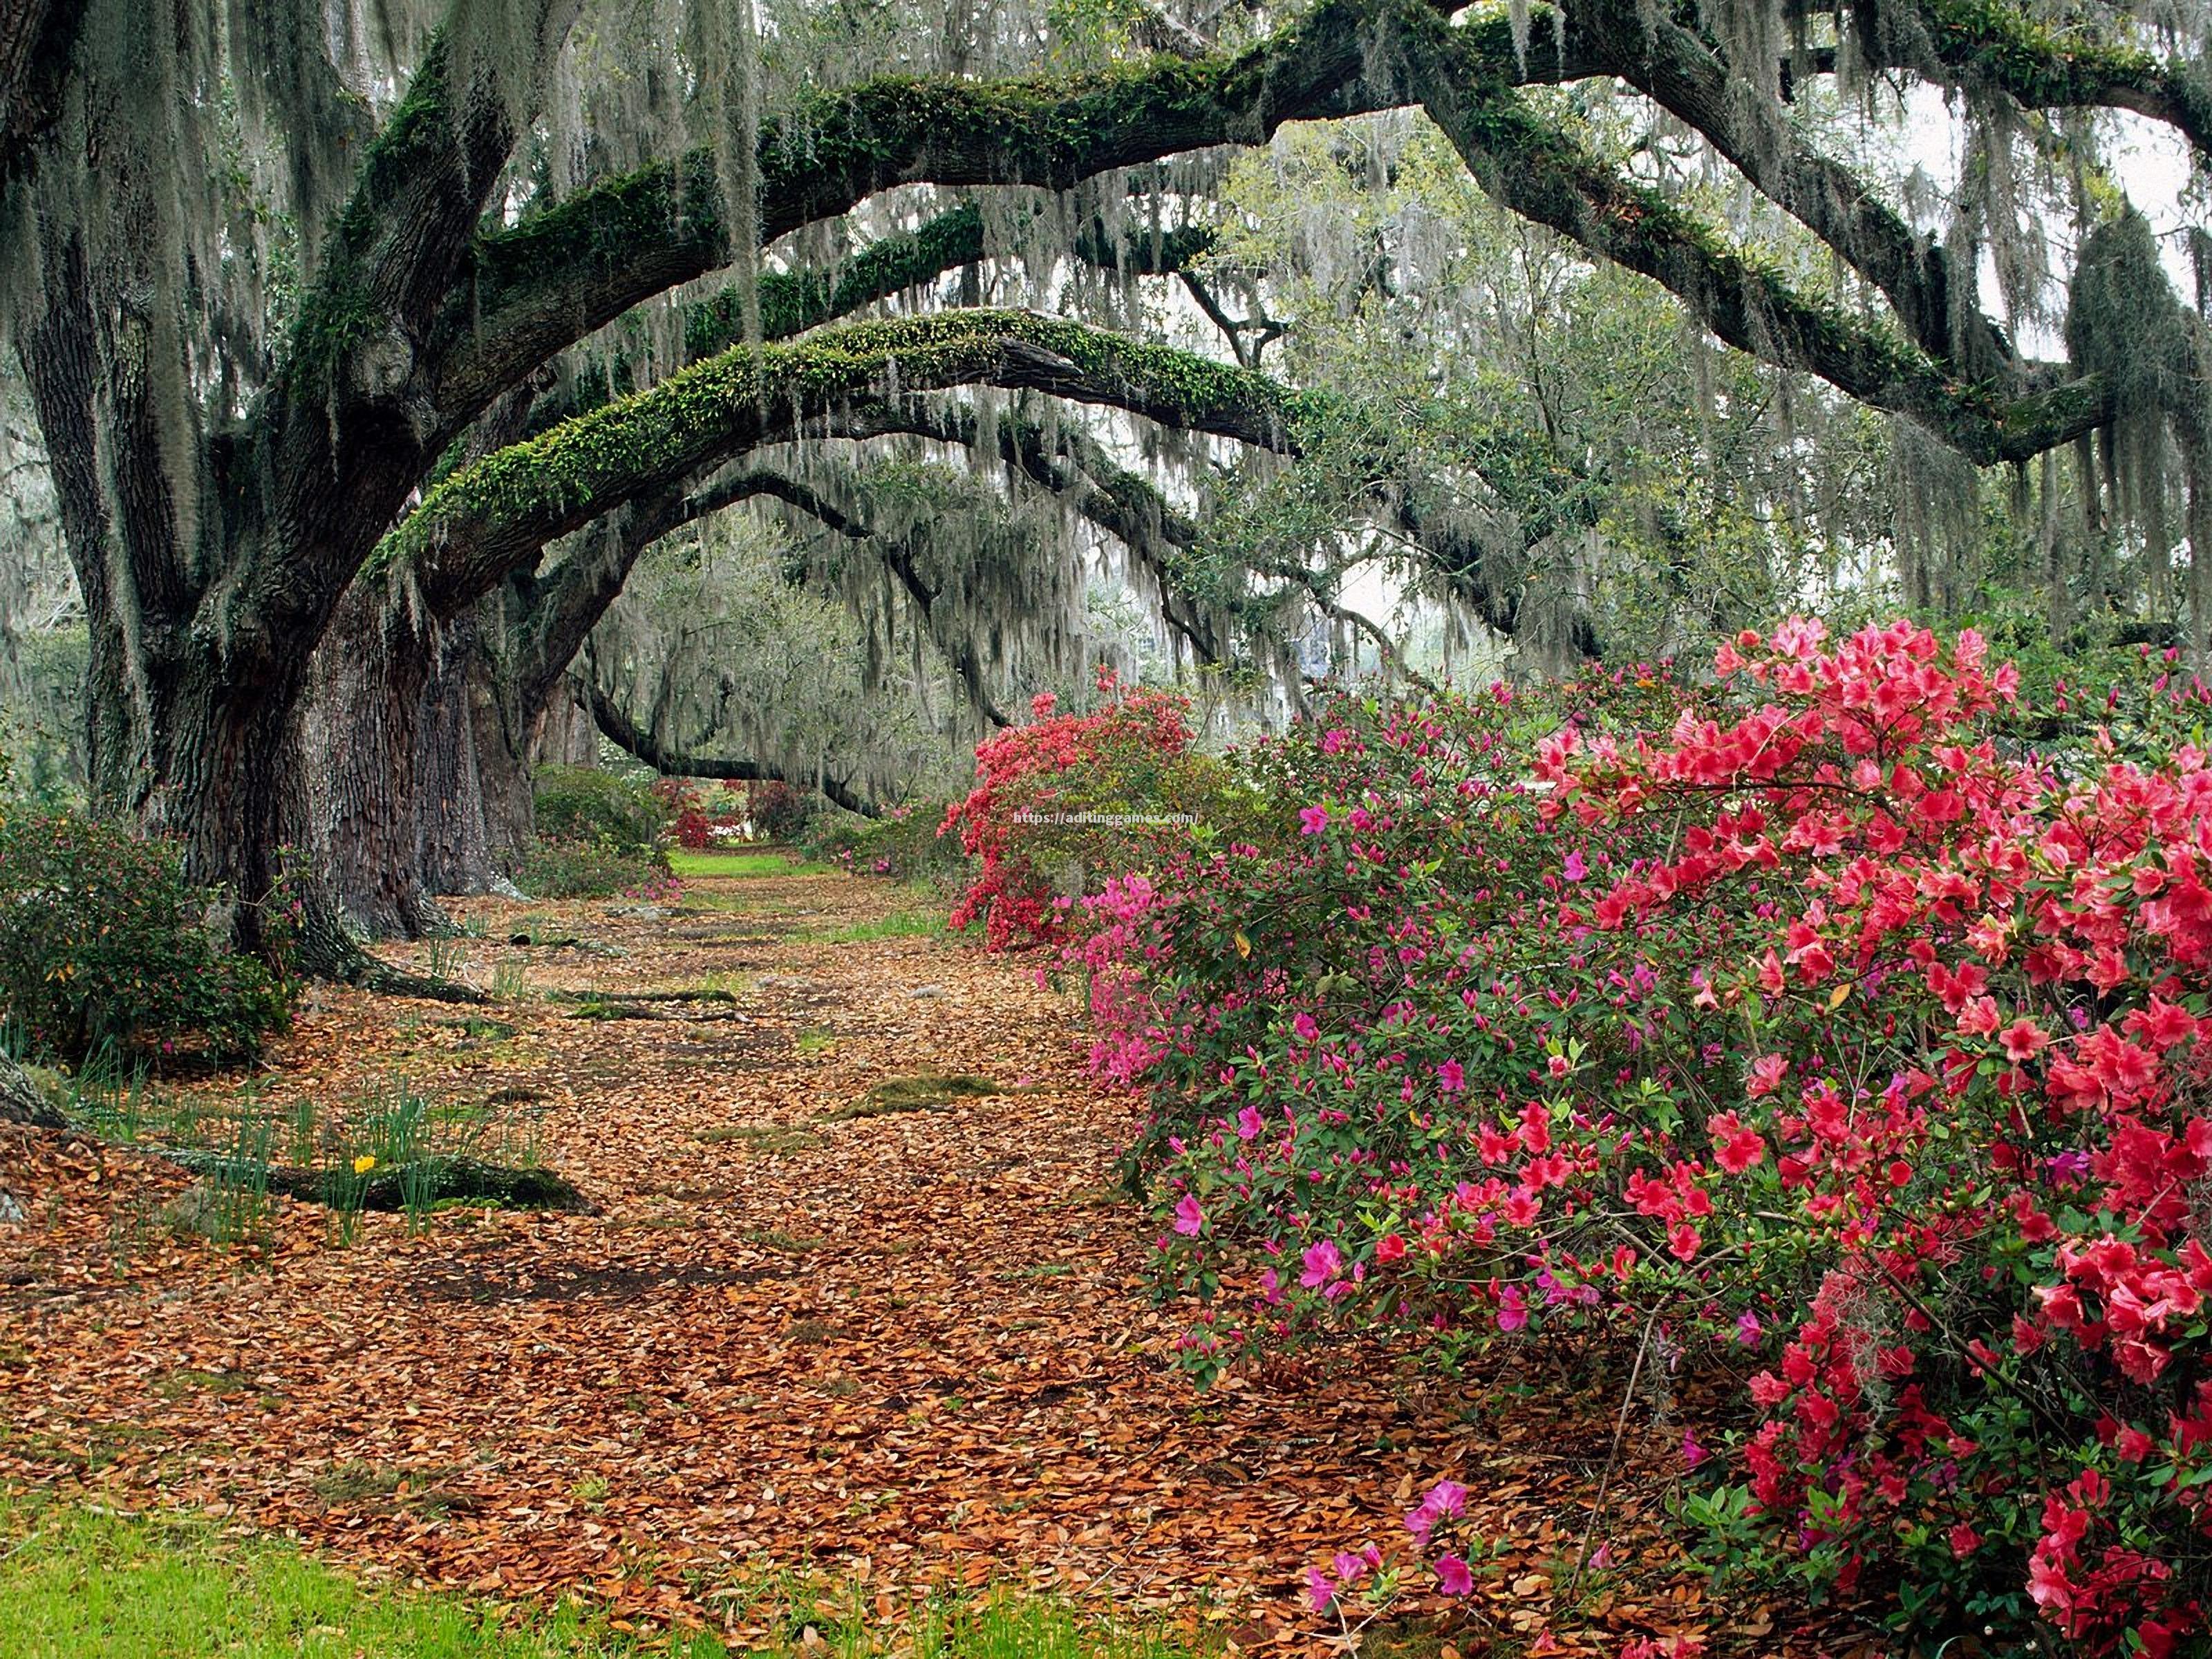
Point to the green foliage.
(568, 867)
(584, 803)
(599, 833)
(903, 844)
(42, 722)
(779, 811)
(106, 947)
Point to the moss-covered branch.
(1990, 45)
(1533, 168)
(643, 745)
(493, 515)
(1691, 78)
(553, 279)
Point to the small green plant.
(510, 981)
(238, 1209)
(345, 1194)
(447, 955)
(807, 1044)
(301, 1120)
(129, 1227)
(418, 1191)
(900, 924)
(392, 1121)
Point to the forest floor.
(808, 1330)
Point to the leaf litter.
(896, 1349)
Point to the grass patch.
(77, 1582)
(815, 1042)
(477, 1028)
(745, 865)
(351, 1482)
(925, 1092)
(177, 1384)
(761, 1137)
(771, 1238)
(900, 924)
(598, 1008)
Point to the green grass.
(688, 863)
(900, 924)
(75, 1582)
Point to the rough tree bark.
(21, 1100)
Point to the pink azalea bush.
(1127, 764)
(1815, 1019)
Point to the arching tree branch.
(554, 278)
(644, 745)
(492, 516)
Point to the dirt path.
(899, 1349)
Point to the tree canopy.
(372, 343)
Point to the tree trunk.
(452, 831)
(372, 674)
(503, 732)
(567, 735)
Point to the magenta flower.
(1250, 1123)
(1693, 1453)
(1189, 1219)
(1305, 1025)
(1512, 1311)
(1445, 1499)
(1454, 1575)
(1575, 869)
(1323, 1262)
(1747, 1329)
(1319, 1591)
(1312, 820)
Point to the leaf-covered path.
(896, 1347)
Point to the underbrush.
(600, 834)
(561, 868)
(906, 844)
(390, 1147)
(106, 947)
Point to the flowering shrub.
(1815, 1020)
(103, 944)
(1069, 794)
(779, 811)
(904, 845)
(700, 819)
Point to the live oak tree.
(341, 320)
